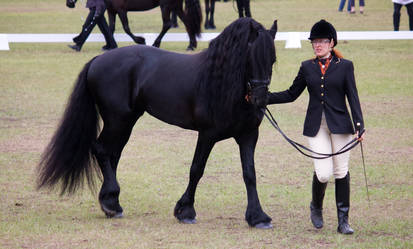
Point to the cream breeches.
(326, 142)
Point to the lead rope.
(350, 145)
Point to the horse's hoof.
(118, 215)
(264, 225)
(140, 40)
(190, 48)
(188, 221)
(114, 215)
(111, 213)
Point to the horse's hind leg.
(174, 20)
(107, 150)
(211, 16)
(192, 40)
(125, 23)
(184, 209)
(240, 7)
(207, 11)
(112, 21)
(247, 8)
(166, 25)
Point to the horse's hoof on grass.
(111, 213)
(264, 225)
(190, 48)
(118, 215)
(188, 221)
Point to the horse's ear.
(273, 29)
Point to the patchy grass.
(36, 80)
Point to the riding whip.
(364, 165)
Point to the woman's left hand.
(360, 138)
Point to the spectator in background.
(97, 10)
(396, 14)
(353, 6)
(342, 3)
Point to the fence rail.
(293, 39)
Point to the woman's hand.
(360, 138)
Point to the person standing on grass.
(329, 79)
(342, 4)
(96, 16)
(353, 6)
(397, 5)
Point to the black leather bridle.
(255, 83)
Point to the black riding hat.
(323, 29)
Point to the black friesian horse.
(220, 92)
(191, 17)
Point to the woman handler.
(329, 79)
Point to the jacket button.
(322, 77)
(322, 86)
(322, 94)
(322, 102)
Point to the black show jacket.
(327, 93)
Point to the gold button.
(322, 77)
(322, 86)
(322, 94)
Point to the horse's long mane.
(222, 81)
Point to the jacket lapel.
(333, 65)
(315, 66)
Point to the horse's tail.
(194, 16)
(68, 158)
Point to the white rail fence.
(293, 39)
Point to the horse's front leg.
(254, 215)
(184, 209)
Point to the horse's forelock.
(263, 50)
(225, 69)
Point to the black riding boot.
(343, 204)
(316, 205)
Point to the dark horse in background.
(191, 17)
(220, 92)
(243, 10)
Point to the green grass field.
(36, 79)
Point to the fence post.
(4, 42)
